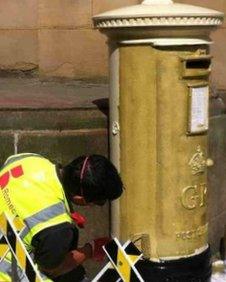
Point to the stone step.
(59, 120)
(31, 104)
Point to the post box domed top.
(154, 13)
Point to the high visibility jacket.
(31, 190)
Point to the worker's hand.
(71, 261)
(97, 248)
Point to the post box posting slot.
(196, 66)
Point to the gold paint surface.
(162, 198)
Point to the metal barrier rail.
(123, 260)
(20, 259)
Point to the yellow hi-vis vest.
(31, 190)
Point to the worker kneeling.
(41, 194)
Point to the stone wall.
(18, 34)
(219, 39)
(58, 37)
(216, 176)
(55, 36)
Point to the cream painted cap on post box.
(158, 13)
(148, 2)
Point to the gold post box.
(159, 77)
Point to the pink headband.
(84, 167)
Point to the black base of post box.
(193, 269)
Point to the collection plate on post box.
(198, 109)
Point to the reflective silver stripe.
(6, 268)
(19, 157)
(43, 216)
